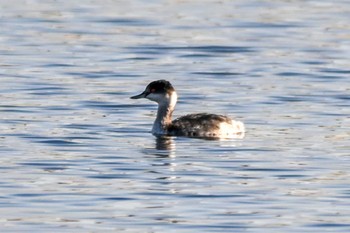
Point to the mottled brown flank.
(197, 125)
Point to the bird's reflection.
(165, 145)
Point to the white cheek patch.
(164, 99)
(155, 97)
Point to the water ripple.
(77, 154)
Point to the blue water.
(76, 152)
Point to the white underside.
(234, 130)
(158, 130)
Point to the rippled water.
(76, 152)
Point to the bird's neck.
(164, 114)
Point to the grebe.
(202, 125)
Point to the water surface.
(76, 152)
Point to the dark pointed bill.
(142, 95)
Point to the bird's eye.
(152, 90)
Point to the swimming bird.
(201, 125)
